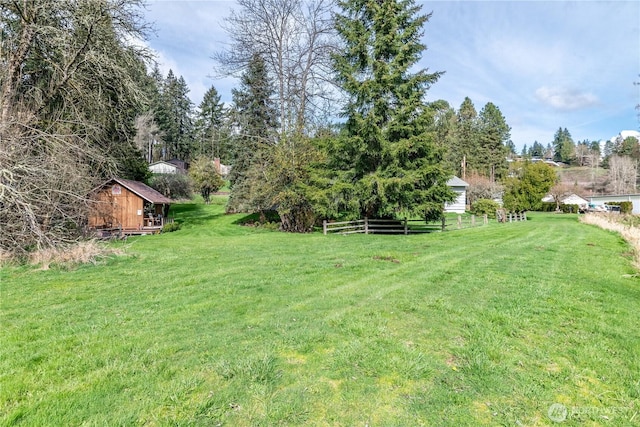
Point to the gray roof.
(456, 182)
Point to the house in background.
(170, 167)
(460, 187)
(128, 206)
(223, 170)
(572, 199)
(602, 200)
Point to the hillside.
(587, 180)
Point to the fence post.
(406, 230)
(366, 225)
(525, 215)
(510, 217)
(473, 220)
(485, 219)
(459, 222)
(324, 227)
(444, 222)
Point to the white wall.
(163, 168)
(460, 204)
(634, 198)
(574, 200)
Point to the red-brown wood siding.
(124, 210)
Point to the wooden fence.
(503, 216)
(401, 226)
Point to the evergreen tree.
(493, 136)
(537, 150)
(627, 147)
(532, 182)
(255, 121)
(445, 122)
(563, 145)
(387, 161)
(211, 131)
(174, 117)
(466, 143)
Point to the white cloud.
(565, 99)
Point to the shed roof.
(456, 182)
(142, 190)
(162, 162)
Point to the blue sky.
(545, 64)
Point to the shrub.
(485, 206)
(569, 208)
(172, 185)
(625, 207)
(170, 227)
(548, 207)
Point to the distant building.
(602, 200)
(170, 167)
(223, 170)
(460, 187)
(572, 199)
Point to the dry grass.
(616, 223)
(5, 257)
(84, 252)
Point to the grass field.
(218, 324)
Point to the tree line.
(330, 119)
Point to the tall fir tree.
(255, 123)
(211, 132)
(465, 144)
(445, 122)
(563, 146)
(493, 136)
(537, 150)
(387, 161)
(175, 118)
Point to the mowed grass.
(219, 324)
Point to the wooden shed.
(128, 205)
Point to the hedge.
(551, 207)
(625, 207)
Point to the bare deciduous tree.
(295, 39)
(67, 88)
(623, 173)
(559, 192)
(481, 187)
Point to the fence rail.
(400, 226)
(503, 216)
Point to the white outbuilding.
(165, 167)
(460, 187)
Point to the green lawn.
(218, 324)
